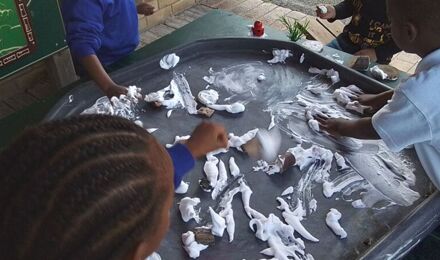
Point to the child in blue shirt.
(409, 115)
(100, 32)
(92, 187)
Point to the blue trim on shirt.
(183, 162)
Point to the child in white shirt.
(412, 115)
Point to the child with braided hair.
(92, 187)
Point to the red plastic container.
(258, 29)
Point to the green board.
(30, 30)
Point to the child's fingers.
(321, 119)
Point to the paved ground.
(304, 6)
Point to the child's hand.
(145, 9)
(115, 90)
(334, 126)
(375, 101)
(367, 52)
(331, 12)
(206, 138)
(370, 100)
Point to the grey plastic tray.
(393, 231)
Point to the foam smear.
(177, 95)
(373, 180)
(123, 106)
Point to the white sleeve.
(400, 123)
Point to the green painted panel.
(30, 30)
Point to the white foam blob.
(332, 74)
(154, 256)
(187, 210)
(176, 95)
(169, 112)
(218, 223)
(280, 56)
(378, 73)
(332, 220)
(222, 180)
(315, 46)
(228, 215)
(301, 59)
(191, 246)
(322, 9)
(233, 108)
(340, 161)
(261, 77)
(152, 130)
(294, 218)
(139, 123)
(287, 191)
(178, 139)
(122, 106)
(208, 97)
(169, 61)
(237, 141)
(183, 188)
(211, 170)
(233, 167)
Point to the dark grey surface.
(196, 59)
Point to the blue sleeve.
(84, 24)
(183, 162)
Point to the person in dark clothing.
(99, 33)
(368, 33)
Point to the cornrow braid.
(92, 192)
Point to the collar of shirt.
(429, 61)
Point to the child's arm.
(95, 70)
(84, 24)
(376, 101)
(206, 138)
(360, 129)
(340, 11)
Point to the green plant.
(295, 29)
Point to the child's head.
(93, 187)
(415, 25)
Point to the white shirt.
(412, 116)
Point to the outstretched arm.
(360, 129)
(95, 70)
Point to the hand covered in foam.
(115, 90)
(206, 138)
(333, 126)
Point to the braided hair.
(90, 187)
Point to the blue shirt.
(412, 116)
(106, 28)
(183, 162)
